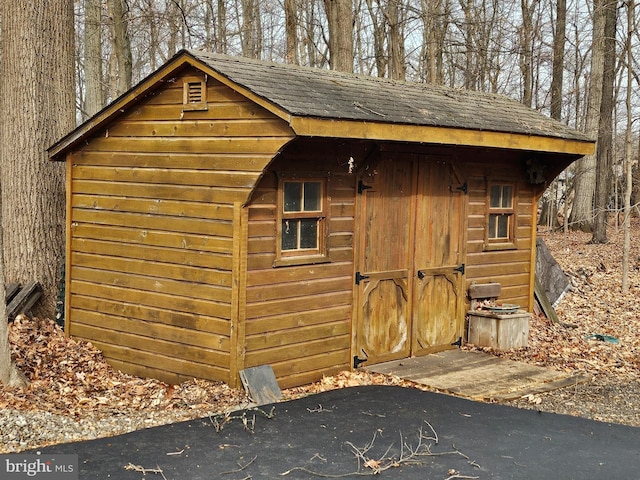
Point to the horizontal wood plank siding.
(298, 318)
(510, 267)
(151, 222)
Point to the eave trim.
(318, 127)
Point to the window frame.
(495, 242)
(302, 256)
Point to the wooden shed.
(228, 213)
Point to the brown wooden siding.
(151, 221)
(298, 318)
(510, 267)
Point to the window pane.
(507, 195)
(503, 226)
(492, 226)
(309, 233)
(290, 234)
(494, 198)
(292, 196)
(312, 196)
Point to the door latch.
(421, 274)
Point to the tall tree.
(527, 33)
(222, 27)
(291, 31)
(557, 73)
(37, 100)
(94, 91)
(379, 36)
(121, 58)
(251, 31)
(434, 16)
(340, 23)
(605, 126)
(581, 217)
(395, 40)
(628, 161)
(549, 214)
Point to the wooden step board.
(478, 375)
(20, 299)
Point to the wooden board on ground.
(261, 385)
(478, 375)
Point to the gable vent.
(195, 94)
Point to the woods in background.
(567, 59)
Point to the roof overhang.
(313, 127)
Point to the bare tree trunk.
(435, 23)
(340, 22)
(153, 33)
(558, 59)
(605, 128)
(121, 48)
(395, 40)
(291, 31)
(379, 36)
(628, 162)
(526, 50)
(94, 92)
(469, 23)
(222, 27)
(251, 29)
(37, 100)
(585, 181)
(308, 38)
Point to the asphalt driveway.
(395, 432)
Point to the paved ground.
(350, 432)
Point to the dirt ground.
(74, 394)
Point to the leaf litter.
(71, 383)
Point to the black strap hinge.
(460, 269)
(463, 188)
(360, 277)
(362, 187)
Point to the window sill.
(491, 247)
(301, 260)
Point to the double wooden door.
(410, 273)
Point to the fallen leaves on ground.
(594, 314)
(71, 377)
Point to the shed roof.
(327, 103)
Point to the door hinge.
(463, 188)
(360, 277)
(459, 269)
(359, 361)
(362, 187)
(457, 343)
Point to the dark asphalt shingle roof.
(310, 92)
